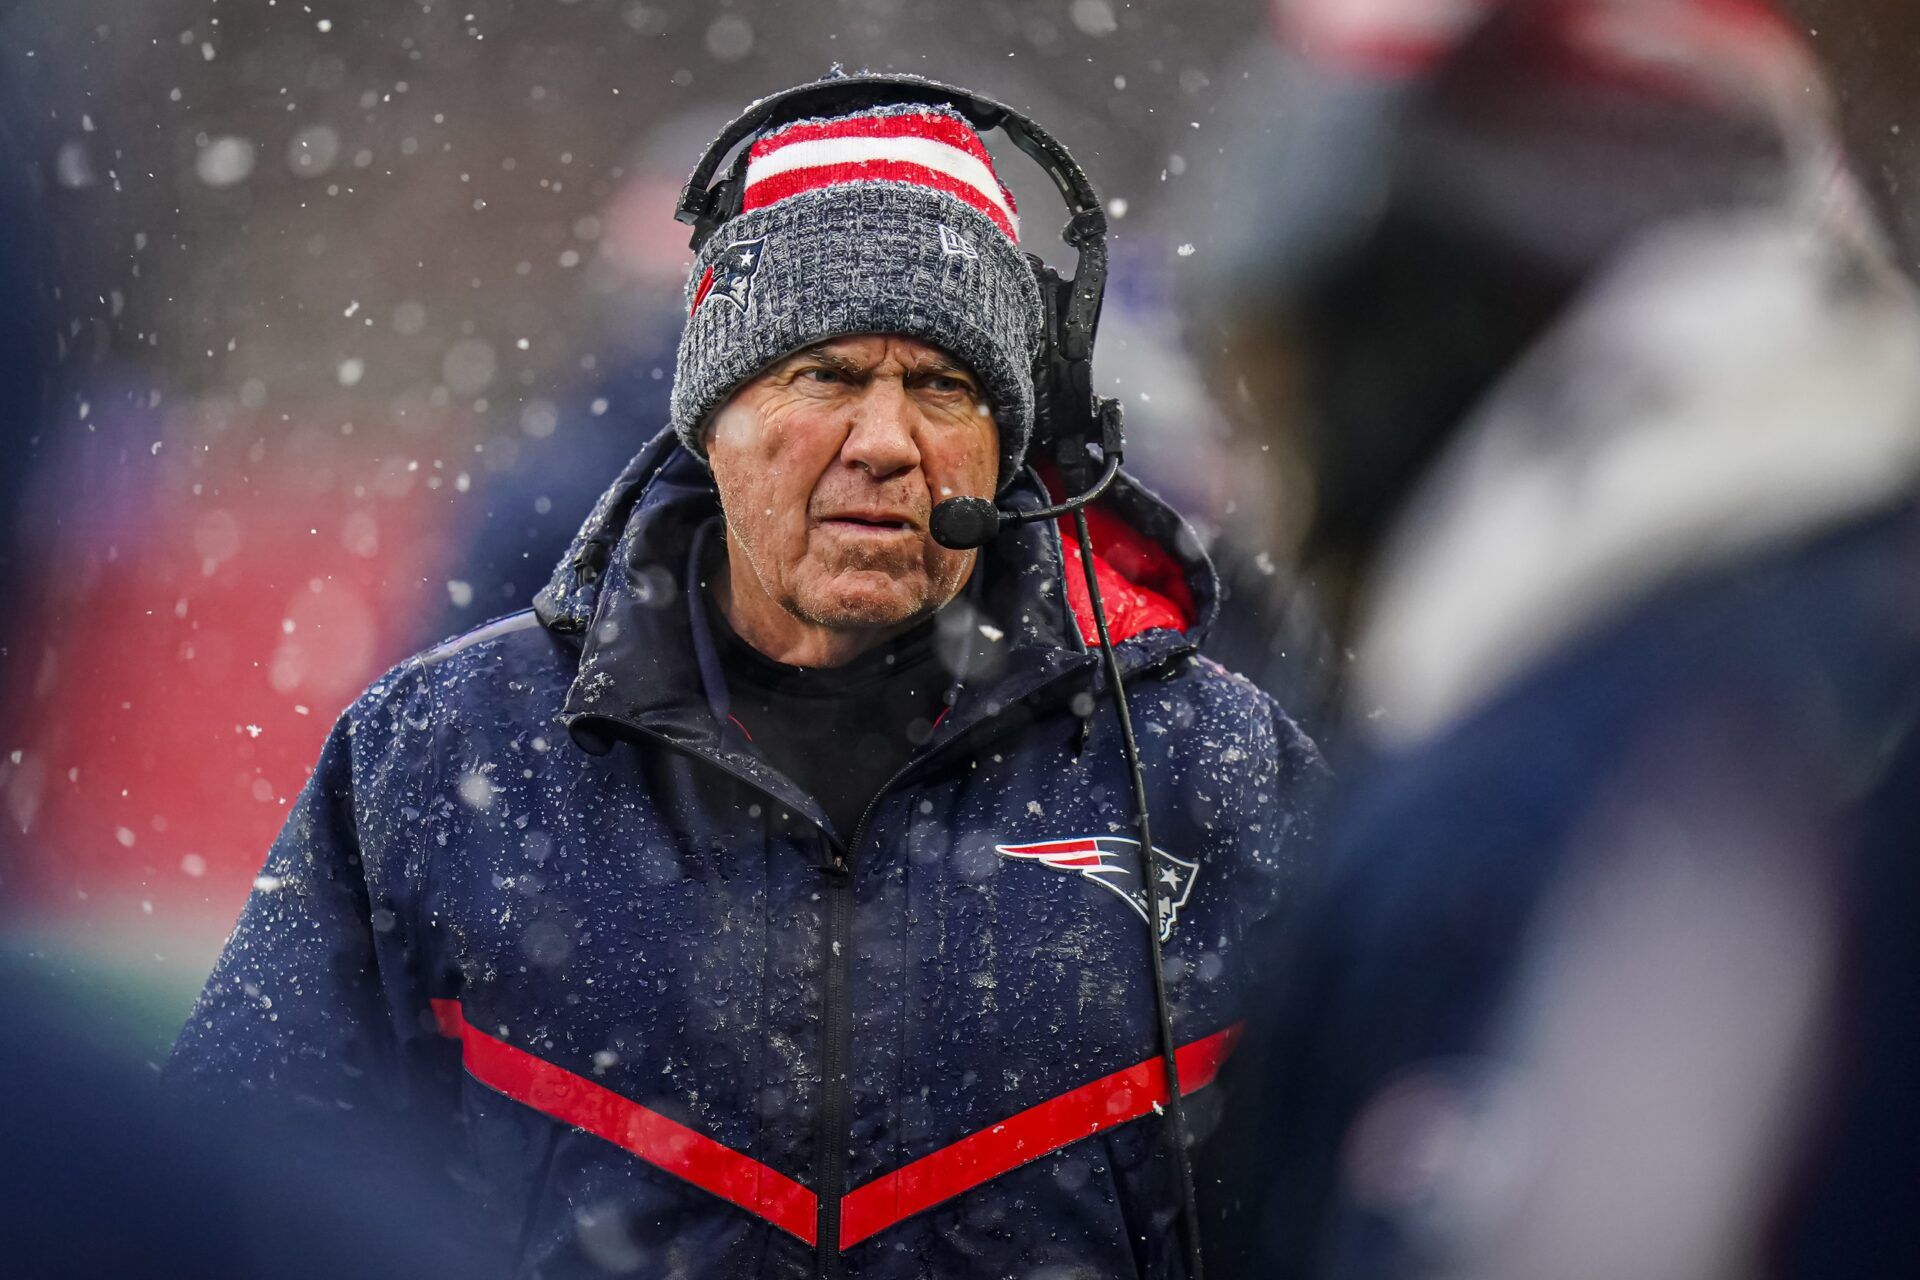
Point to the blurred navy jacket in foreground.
(1614, 971)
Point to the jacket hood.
(624, 593)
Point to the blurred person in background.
(1598, 398)
(756, 902)
(103, 1175)
(525, 507)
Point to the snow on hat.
(890, 220)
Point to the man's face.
(829, 464)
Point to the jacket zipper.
(837, 1049)
(837, 1012)
(836, 1055)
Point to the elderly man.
(760, 902)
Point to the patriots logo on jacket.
(1113, 863)
(731, 276)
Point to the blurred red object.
(186, 657)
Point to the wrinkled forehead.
(862, 354)
(871, 350)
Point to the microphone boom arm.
(1074, 503)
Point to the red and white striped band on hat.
(926, 146)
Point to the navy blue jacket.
(540, 884)
(1778, 696)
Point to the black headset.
(1065, 409)
(1068, 417)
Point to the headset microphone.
(961, 524)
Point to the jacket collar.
(627, 594)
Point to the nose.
(880, 440)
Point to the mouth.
(871, 523)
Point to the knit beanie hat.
(890, 220)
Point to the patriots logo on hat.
(1113, 863)
(731, 275)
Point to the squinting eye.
(948, 386)
(821, 375)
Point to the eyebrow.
(819, 353)
(938, 363)
(941, 363)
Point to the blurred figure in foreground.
(1609, 400)
(103, 1176)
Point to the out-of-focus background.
(325, 323)
(343, 315)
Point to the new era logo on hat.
(925, 146)
(955, 245)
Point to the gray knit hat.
(884, 221)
